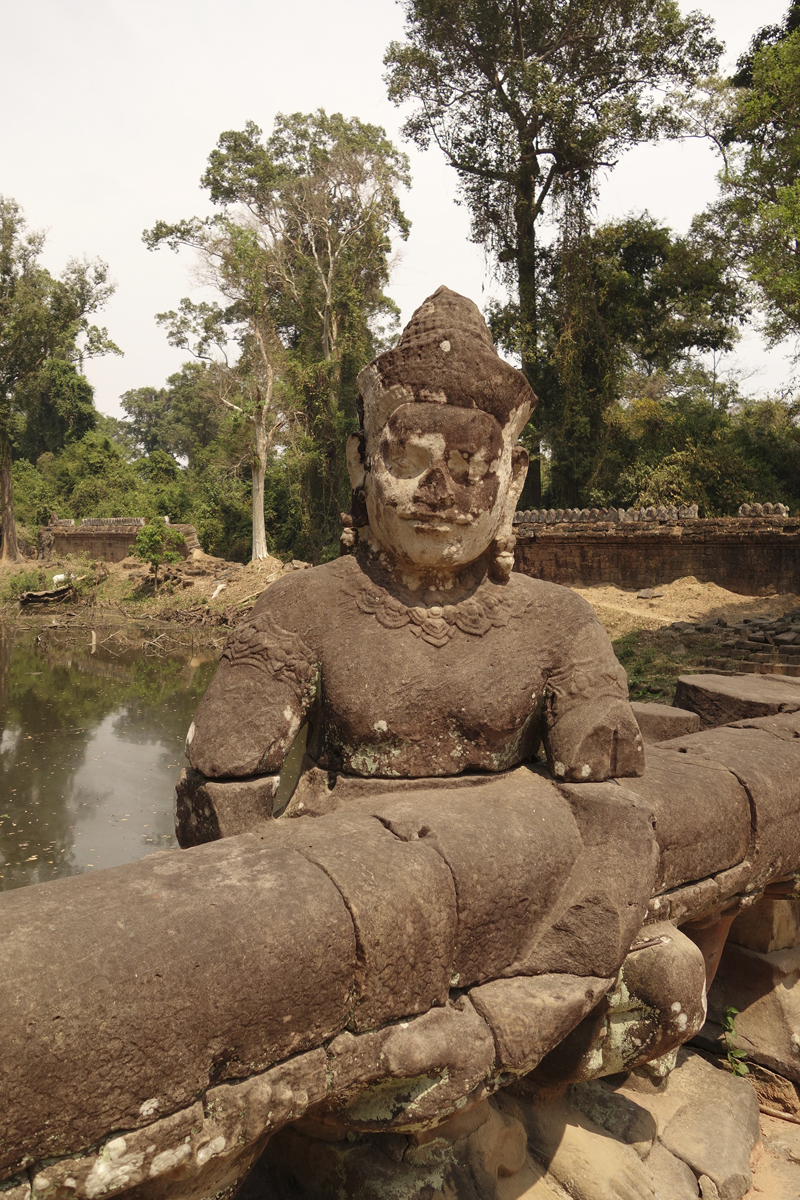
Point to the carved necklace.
(439, 623)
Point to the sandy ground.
(684, 600)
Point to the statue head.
(436, 470)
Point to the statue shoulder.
(299, 600)
(562, 608)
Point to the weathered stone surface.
(257, 701)
(721, 699)
(658, 722)
(769, 768)
(409, 1076)
(702, 816)
(695, 900)
(706, 1117)
(206, 810)
(603, 901)
(15, 1188)
(508, 858)
(203, 1150)
(204, 964)
(617, 1114)
(765, 989)
(771, 924)
(401, 898)
(528, 1016)
(673, 1179)
(657, 1003)
(784, 725)
(579, 1155)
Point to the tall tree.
(41, 318)
(529, 99)
(623, 297)
(300, 251)
(759, 211)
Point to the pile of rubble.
(758, 645)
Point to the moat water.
(92, 729)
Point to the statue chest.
(397, 705)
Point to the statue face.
(438, 484)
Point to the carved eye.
(406, 460)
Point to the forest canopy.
(622, 327)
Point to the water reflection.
(91, 743)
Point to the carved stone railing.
(416, 946)
(621, 516)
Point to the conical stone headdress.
(445, 356)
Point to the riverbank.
(198, 592)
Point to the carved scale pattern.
(267, 646)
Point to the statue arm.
(261, 694)
(589, 730)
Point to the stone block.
(530, 1015)
(206, 810)
(706, 1117)
(785, 725)
(765, 988)
(189, 983)
(769, 768)
(721, 699)
(509, 848)
(603, 900)
(401, 898)
(771, 924)
(702, 815)
(410, 1075)
(658, 722)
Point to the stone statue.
(421, 654)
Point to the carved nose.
(435, 488)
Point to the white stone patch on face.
(190, 735)
(116, 1148)
(586, 771)
(681, 1021)
(676, 1007)
(559, 769)
(445, 346)
(380, 727)
(149, 1107)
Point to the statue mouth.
(438, 520)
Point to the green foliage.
(623, 297)
(733, 1053)
(21, 581)
(759, 213)
(44, 329)
(529, 100)
(299, 254)
(157, 544)
(58, 406)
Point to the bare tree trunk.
(10, 548)
(259, 469)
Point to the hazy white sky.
(111, 107)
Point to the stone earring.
(502, 562)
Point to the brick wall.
(752, 556)
(105, 540)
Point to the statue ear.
(355, 461)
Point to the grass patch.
(654, 660)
